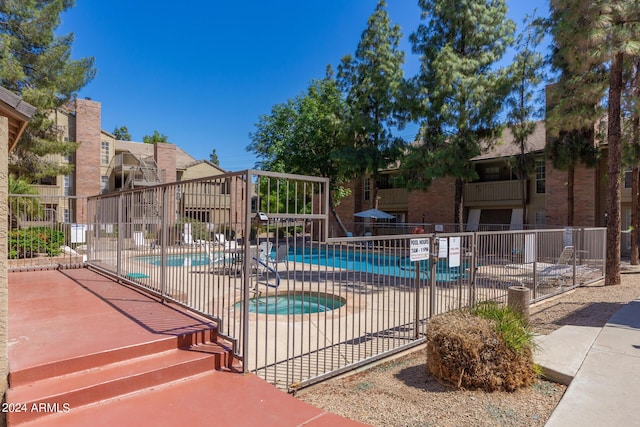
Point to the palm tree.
(20, 202)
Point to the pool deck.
(62, 318)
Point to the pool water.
(371, 262)
(303, 303)
(177, 260)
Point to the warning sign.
(419, 249)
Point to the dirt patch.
(400, 392)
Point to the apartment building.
(103, 165)
(495, 198)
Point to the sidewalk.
(603, 368)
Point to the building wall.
(434, 205)
(4, 294)
(347, 207)
(88, 164)
(165, 156)
(555, 196)
(586, 197)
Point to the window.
(628, 178)
(492, 173)
(540, 218)
(367, 189)
(540, 176)
(104, 183)
(67, 185)
(67, 215)
(104, 157)
(47, 180)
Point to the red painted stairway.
(103, 341)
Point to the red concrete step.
(81, 388)
(89, 361)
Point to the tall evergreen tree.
(601, 34)
(155, 137)
(372, 80)
(526, 73)
(36, 64)
(213, 157)
(461, 89)
(122, 133)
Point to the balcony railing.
(393, 198)
(493, 193)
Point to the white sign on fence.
(419, 249)
(454, 252)
(443, 250)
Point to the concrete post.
(518, 300)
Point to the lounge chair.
(557, 274)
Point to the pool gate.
(230, 245)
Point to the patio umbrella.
(374, 213)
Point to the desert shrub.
(32, 241)
(469, 349)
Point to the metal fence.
(46, 232)
(251, 250)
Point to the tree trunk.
(635, 215)
(332, 209)
(524, 201)
(459, 204)
(635, 185)
(612, 276)
(571, 175)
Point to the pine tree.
(461, 90)
(600, 35)
(121, 133)
(155, 137)
(526, 73)
(36, 64)
(213, 157)
(372, 80)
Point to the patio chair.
(282, 255)
(227, 244)
(187, 239)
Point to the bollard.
(518, 300)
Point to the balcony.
(49, 190)
(393, 199)
(495, 193)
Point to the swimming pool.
(177, 260)
(294, 303)
(372, 262)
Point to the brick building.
(495, 199)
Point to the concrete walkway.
(602, 368)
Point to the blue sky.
(203, 72)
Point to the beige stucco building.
(14, 116)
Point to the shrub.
(32, 241)
(488, 348)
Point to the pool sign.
(454, 252)
(419, 249)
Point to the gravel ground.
(400, 392)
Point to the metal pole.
(417, 297)
(433, 260)
(163, 249)
(120, 236)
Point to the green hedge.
(32, 241)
